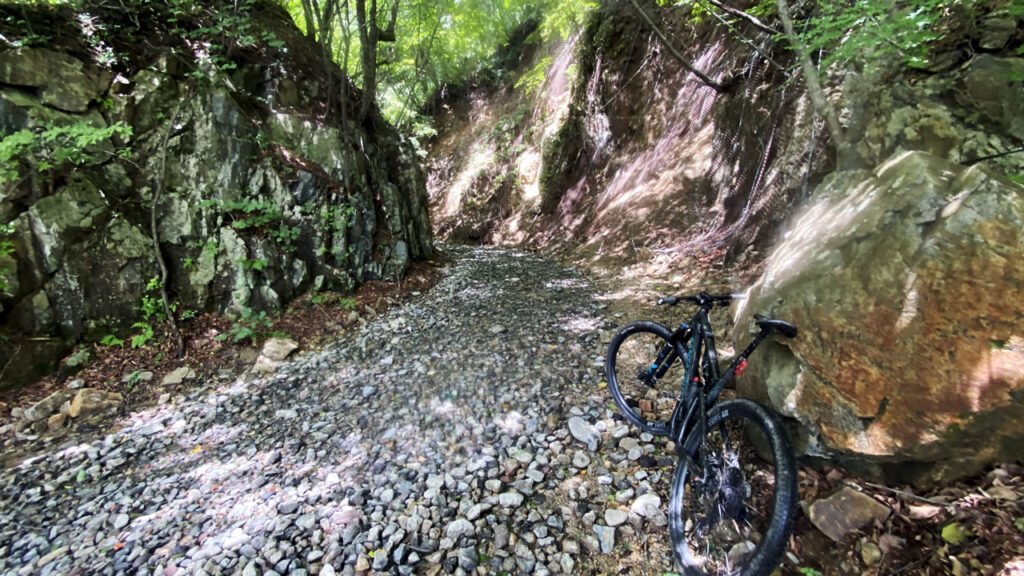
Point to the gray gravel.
(435, 439)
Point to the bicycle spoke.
(728, 499)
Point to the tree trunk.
(814, 90)
(368, 53)
(370, 35)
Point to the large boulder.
(908, 289)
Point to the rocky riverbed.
(465, 432)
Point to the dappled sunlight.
(557, 88)
(511, 422)
(582, 324)
(479, 161)
(1015, 567)
(528, 165)
(802, 245)
(999, 370)
(443, 408)
(566, 283)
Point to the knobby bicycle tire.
(630, 353)
(713, 530)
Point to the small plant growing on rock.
(50, 146)
(249, 325)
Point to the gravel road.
(467, 431)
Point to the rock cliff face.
(269, 187)
(900, 276)
(907, 287)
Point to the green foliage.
(442, 43)
(143, 336)
(248, 325)
(532, 80)
(808, 571)
(286, 235)
(866, 33)
(220, 32)
(261, 216)
(563, 19)
(152, 305)
(877, 30)
(333, 297)
(51, 146)
(336, 217)
(6, 249)
(112, 340)
(256, 264)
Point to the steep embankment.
(623, 156)
(900, 275)
(267, 184)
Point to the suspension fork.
(668, 354)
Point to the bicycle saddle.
(773, 325)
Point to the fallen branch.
(675, 53)
(902, 493)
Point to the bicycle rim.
(646, 399)
(731, 514)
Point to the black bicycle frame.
(694, 402)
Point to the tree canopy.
(416, 47)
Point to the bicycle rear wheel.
(644, 373)
(731, 510)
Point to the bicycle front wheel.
(644, 373)
(731, 509)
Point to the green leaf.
(954, 534)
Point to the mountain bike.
(734, 491)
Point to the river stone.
(510, 499)
(92, 401)
(47, 406)
(645, 505)
(179, 375)
(458, 528)
(277, 349)
(584, 432)
(615, 517)
(846, 511)
(606, 536)
(906, 288)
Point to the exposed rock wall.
(622, 154)
(907, 287)
(266, 192)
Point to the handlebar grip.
(670, 300)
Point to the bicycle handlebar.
(702, 299)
